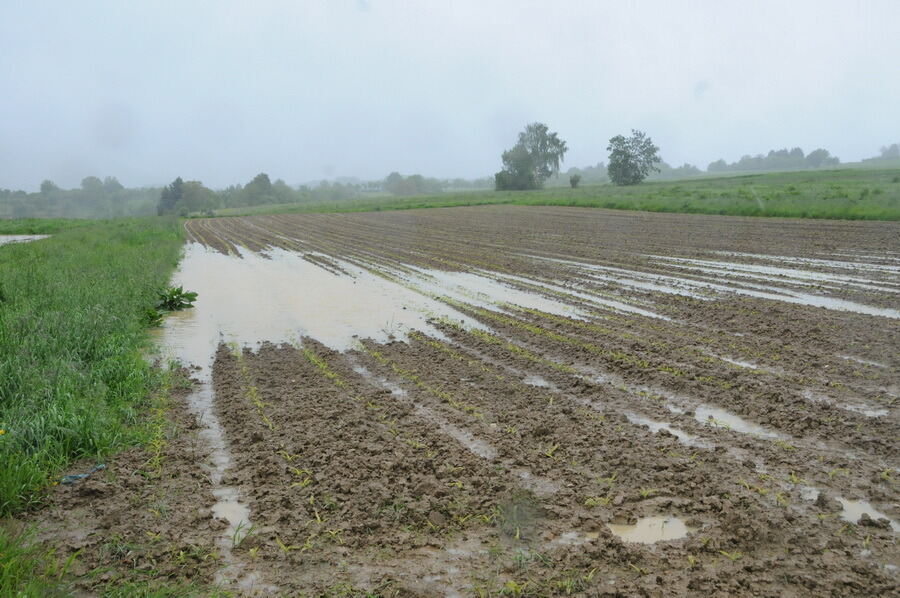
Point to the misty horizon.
(309, 92)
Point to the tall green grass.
(842, 194)
(39, 226)
(27, 569)
(73, 379)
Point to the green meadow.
(843, 194)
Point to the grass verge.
(73, 379)
(72, 375)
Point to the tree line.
(534, 160)
(782, 159)
(94, 198)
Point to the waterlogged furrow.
(319, 474)
(781, 492)
(734, 386)
(694, 424)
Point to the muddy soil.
(542, 401)
(417, 469)
(145, 518)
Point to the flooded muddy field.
(540, 401)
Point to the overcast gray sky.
(219, 91)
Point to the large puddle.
(719, 277)
(484, 291)
(865, 410)
(649, 530)
(721, 270)
(656, 426)
(282, 297)
(7, 239)
(851, 510)
(855, 509)
(779, 273)
(718, 417)
(854, 266)
(494, 290)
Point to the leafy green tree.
(259, 190)
(820, 157)
(393, 183)
(536, 156)
(574, 180)
(631, 159)
(91, 184)
(890, 152)
(718, 166)
(111, 184)
(170, 196)
(48, 187)
(282, 191)
(196, 198)
(415, 184)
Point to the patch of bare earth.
(144, 519)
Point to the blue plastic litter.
(71, 479)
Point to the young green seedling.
(838, 471)
(595, 501)
(241, 533)
(549, 452)
(794, 479)
(784, 445)
(285, 548)
(638, 570)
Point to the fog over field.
(219, 91)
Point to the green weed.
(595, 501)
(175, 298)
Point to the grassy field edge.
(840, 194)
(74, 381)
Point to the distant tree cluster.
(191, 197)
(782, 159)
(414, 184)
(891, 152)
(184, 197)
(888, 152)
(95, 198)
(532, 160)
(107, 198)
(460, 183)
(590, 175)
(664, 171)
